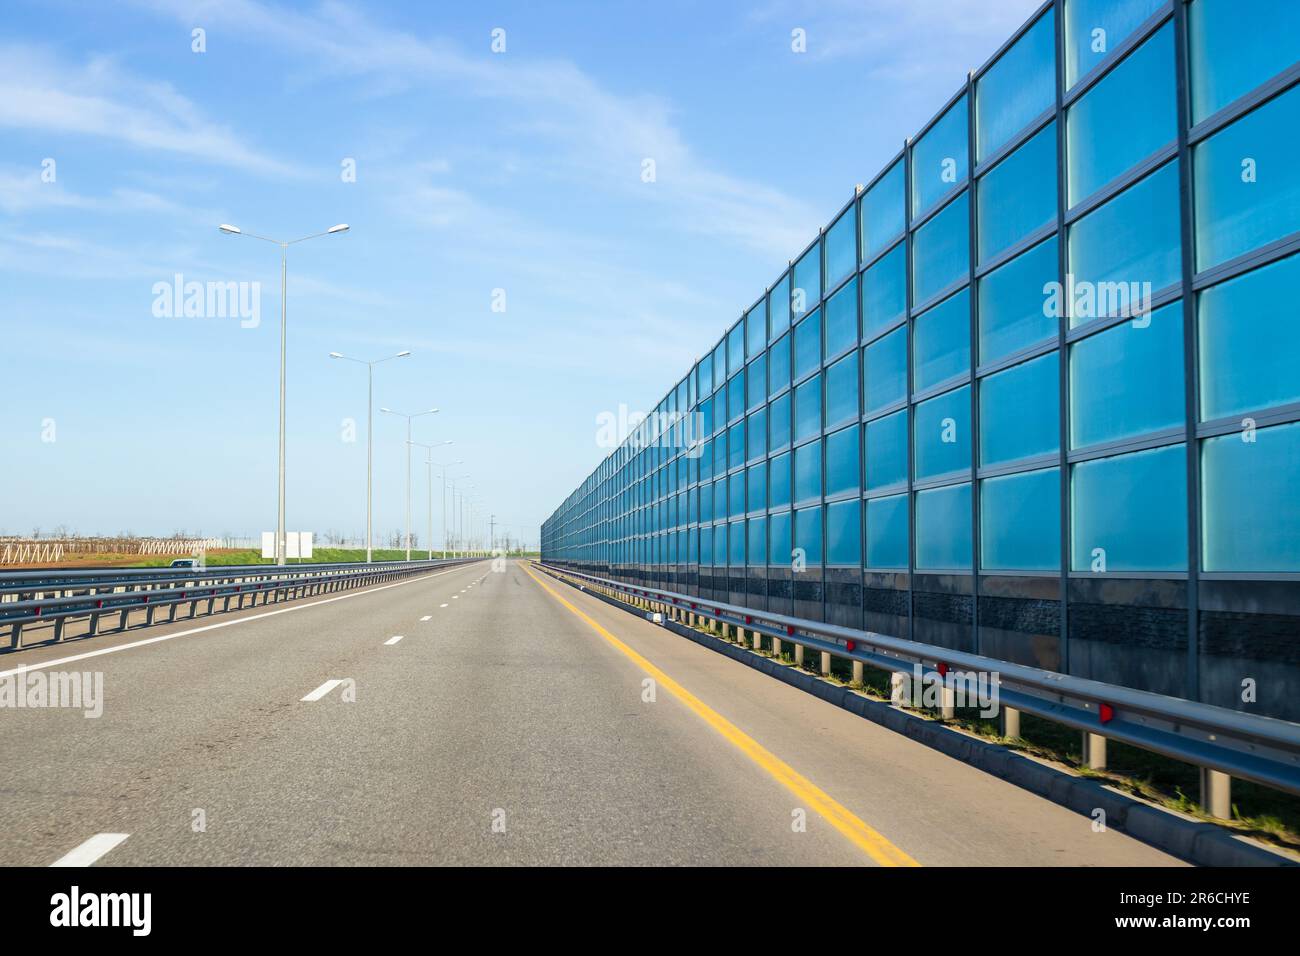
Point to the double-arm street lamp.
(429, 463)
(408, 417)
(284, 272)
(370, 429)
(456, 509)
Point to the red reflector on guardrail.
(943, 669)
(850, 645)
(1106, 713)
(38, 612)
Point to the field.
(220, 557)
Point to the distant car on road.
(186, 563)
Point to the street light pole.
(408, 489)
(429, 462)
(467, 521)
(464, 524)
(456, 512)
(370, 432)
(408, 418)
(280, 536)
(284, 285)
(442, 466)
(452, 499)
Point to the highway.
(484, 717)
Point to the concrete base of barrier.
(1195, 841)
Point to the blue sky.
(475, 171)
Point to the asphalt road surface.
(511, 723)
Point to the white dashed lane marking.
(91, 850)
(322, 690)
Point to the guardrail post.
(1010, 722)
(826, 663)
(776, 647)
(899, 689)
(1216, 793)
(758, 640)
(947, 702)
(798, 655)
(857, 673)
(16, 636)
(1094, 750)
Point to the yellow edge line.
(840, 817)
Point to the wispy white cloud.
(901, 41)
(599, 138)
(71, 257)
(23, 190)
(98, 98)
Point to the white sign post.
(297, 544)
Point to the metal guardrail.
(56, 597)
(1217, 740)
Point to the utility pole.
(492, 536)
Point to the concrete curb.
(1195, 841)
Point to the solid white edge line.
(321, 691)
(91, 850)
(393, 640)
(212, 627)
